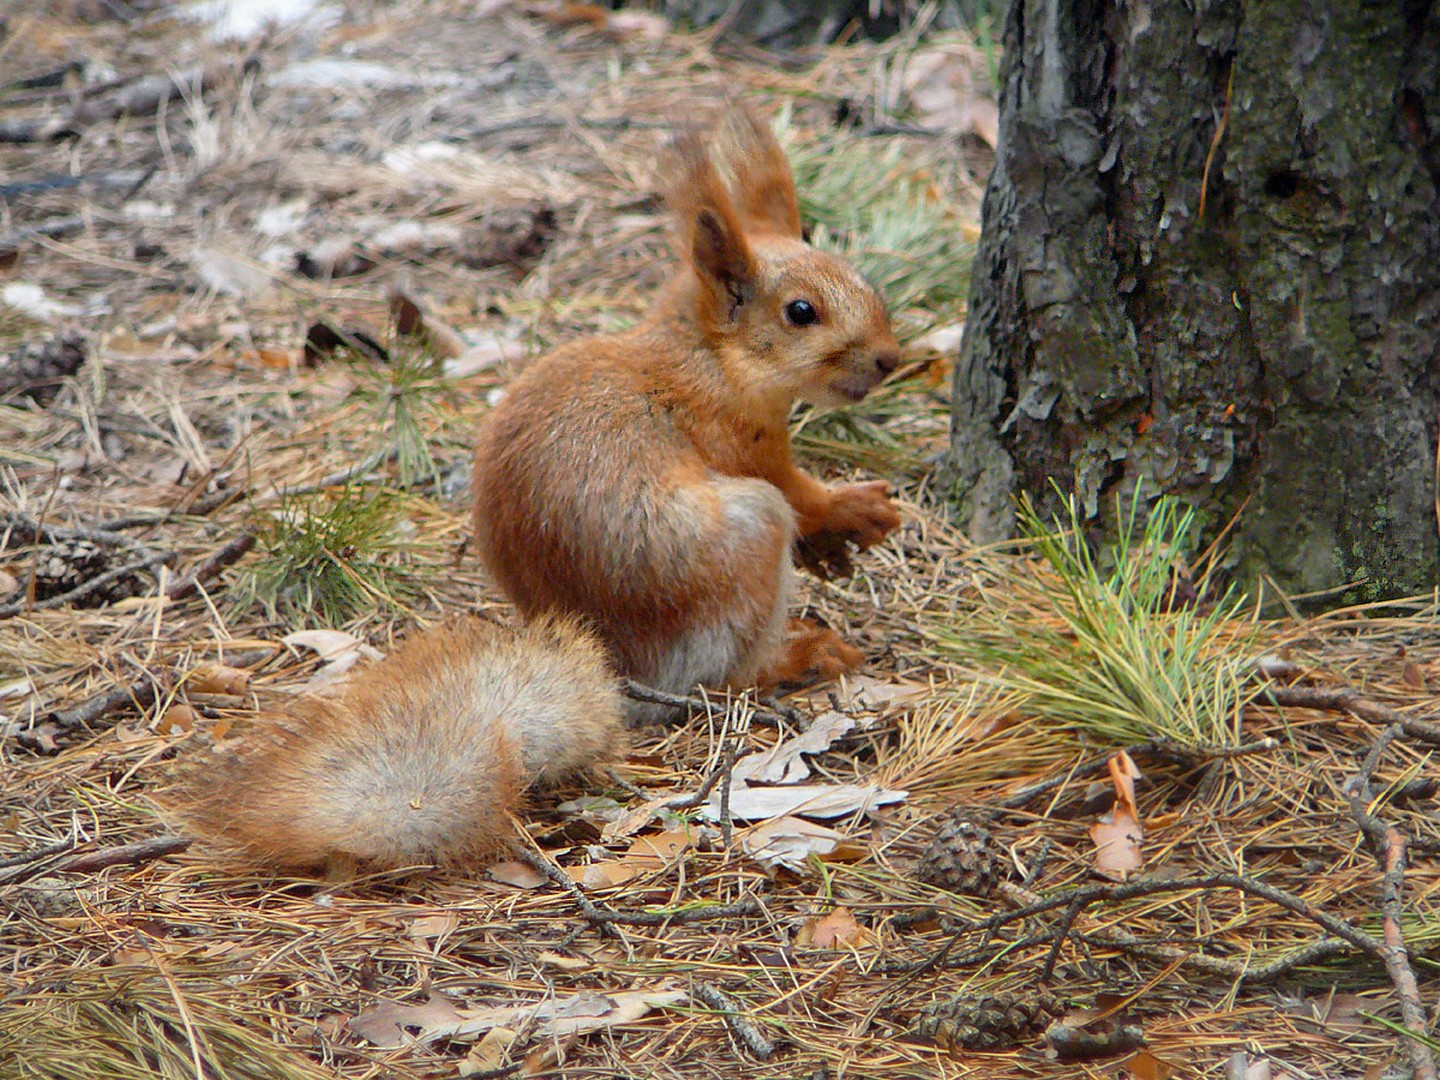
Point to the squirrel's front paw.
(863, 513)
(811, 653)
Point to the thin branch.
(1425, 729)
(86, 862)
(141, 694)
(1163, 749)
(1387, 844)
(1130, 890)
(230, 553)
(1061, 933)
(149, 562)
(605, 918)
(744, 1029)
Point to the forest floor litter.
(258, 285)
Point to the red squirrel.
(637, 498)
(644, 481)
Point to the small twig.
(648, 695)
(693, 703)
(201, 507)
(1061, 933)
(744, 1029)
(1387, 844)
(1397, 958)
(1165, 749)
(36, 530)
(1313, 697)
(738, 910)
(232, 552)
(605, 918)
(99, 581)
(1231, 970)
(702, 793)
(601, 920)
(1088, 894)
(499, 1072)
(1037, 863)
(141, 694)
(86, 862)
(46, 852)
(334, 479)
(727, 772)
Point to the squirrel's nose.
(887, 361)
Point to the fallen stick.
(1387, 844)
(1313, 697)
(230, 553)
(47, 861)
(743, 1028)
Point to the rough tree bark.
(1211, 265)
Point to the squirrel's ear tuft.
(711, 237)
(761, 179)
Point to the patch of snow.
(232, 20)
(282, 219)
(30, 299)
(329, 72)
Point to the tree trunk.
(1210, 266)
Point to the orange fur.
(421, 758)
(644, 481)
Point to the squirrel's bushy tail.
(420, 759)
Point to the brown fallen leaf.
(430, 927)
(273, 359)
(489, 1053)
(659, 848)
(1118, 834)
(1146, 1066)
(176, 718)
(632, 821)
(604, 875)
(411, 318)
(388, 1024)
(560, 962)
(521, 875)
(790, 842)
(1413, 675)
(835, 930)
(216, 678)
(339, 650)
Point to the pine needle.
(1115, 652)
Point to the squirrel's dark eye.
(801, 312)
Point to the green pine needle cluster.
(404, 393)
(329, 558)
(1107, 646)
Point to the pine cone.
(987, 1021)
(68, 564)
(38, 369)
(961, 856)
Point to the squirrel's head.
(794, 321)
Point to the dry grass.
(195, 419)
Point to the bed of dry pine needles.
(495, 163)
